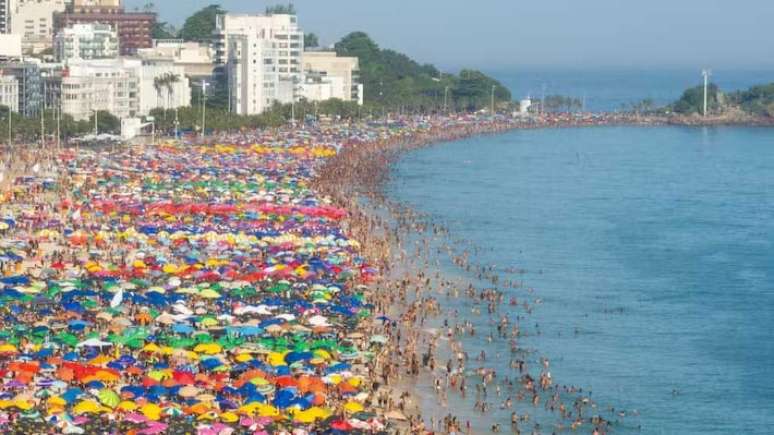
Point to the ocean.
(652, 250)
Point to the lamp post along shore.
(493, 103)
(705, 73)
(204, 85)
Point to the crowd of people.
(252, 282)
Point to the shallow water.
(651, 249)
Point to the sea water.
(651, 249)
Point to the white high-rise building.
(86, 41)
(34, 21)
(270, 46)
(101, 85)
(124, 87)
(252, 76)
(5, 16)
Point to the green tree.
(758, 100)
(692, 100)
(311, 41)
(162, 30)
(217, 93)
(106, 122)
(393, 81)
(201, 25)
(474, 90)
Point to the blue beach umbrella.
(181, 328)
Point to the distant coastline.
(548, 120)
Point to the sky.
(502, 34)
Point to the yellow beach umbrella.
(277, 358)
(56, 401)
(229, 417)
(151, 411)
(87, 407)
(321, 353)
(209, 294)
(8, 348)
(208, 348)
(23, 405)
(100, 360)
(268, 411)
(353, 407)
(160, 375)
(151, 347)
(127, 405)
(243, 357)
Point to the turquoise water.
(651, 249)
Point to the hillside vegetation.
(755, 101)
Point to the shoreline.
(417, 286)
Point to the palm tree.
(158, 82)
(171, 79)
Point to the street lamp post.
(10, 130)
(204, 106)
(42, 118)
(295, 81)
(42, 129)
(59, 124)
(705, 73)
(445, 99)
(493, 106)
(381, 96)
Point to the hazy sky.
(494, 34)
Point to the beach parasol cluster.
(185, 288)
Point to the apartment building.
(33, 21)
(252, 75)
(5, 16)
(196, 58)
(268, 47)
(341, 73)
(28, 78)
(134, 29)
(86, 41)
(111, 85)
(124, 87)
(9, 92)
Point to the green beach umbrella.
(108, 398)
(66, 338)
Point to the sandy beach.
(260, 282)
(231, 285)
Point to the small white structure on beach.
(524, 106)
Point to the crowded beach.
(255, 282)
